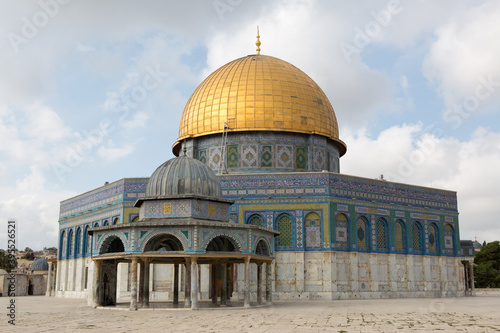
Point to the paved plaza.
(465, 314)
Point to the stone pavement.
(465, 314)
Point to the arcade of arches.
(221, 254)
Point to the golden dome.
(258, 93)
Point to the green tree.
(6, 261)
(487, 266)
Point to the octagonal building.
(270, 134)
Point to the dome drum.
(258, 93)
(266, 152)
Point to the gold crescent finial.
(258, 41)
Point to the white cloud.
(464, 54)
(424, 157)
(111, 153)
(294, 32)
(36, 209)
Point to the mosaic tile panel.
(299, 231)
(449, 246)
(313, 236)
(214, 158)
(301, 158)
(361, 234)
(232, 156)
(319, 159)
(202, 155)
(256, 219)
(382, 236)
(399, 236)
(285, 239)
(284, 157)
(433, 239)
(342, 232)
(249, 156)
(416, 233)
(266, 157)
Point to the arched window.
(399, 236)
(284, 226)
(70, 244)
(77, 241)
(256, 219)
(362, 234)
(135, 219)
(106, 222)
(381, 230)
(342, 232)
(313, 231)
(449, 240)
(62, 245)
(433, 239)
(416, 234)
(85, 241)
(116, 220)
(96, 224)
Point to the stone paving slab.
(465, 314)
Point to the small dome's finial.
(258, 41)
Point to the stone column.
(246, 288)
(223, 285)
(466, 274)
(187, 285)
(49, 281)
(145, 287)
(194, 284)
(213, 286)
(133, 285)
(259, 283)
(471, 276)
(176, 284)
(95, 284)
(141, 282)
(269, 286)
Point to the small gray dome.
(40, 265)
(183, 175)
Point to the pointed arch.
(400, 236)
(312, 231)
(255, 219)
(222, 243)
(285, 227)
(85, 241)
(163, 242)
(341, 230)
(362, 234)
(112, 244)
(78, 237)
(262, 248)
(69, 246)
(62, 245)
(417, 237)
(382, 236)
(433, 239)
(449, 239)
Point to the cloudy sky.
(93, 91)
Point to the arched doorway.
(108, 278)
